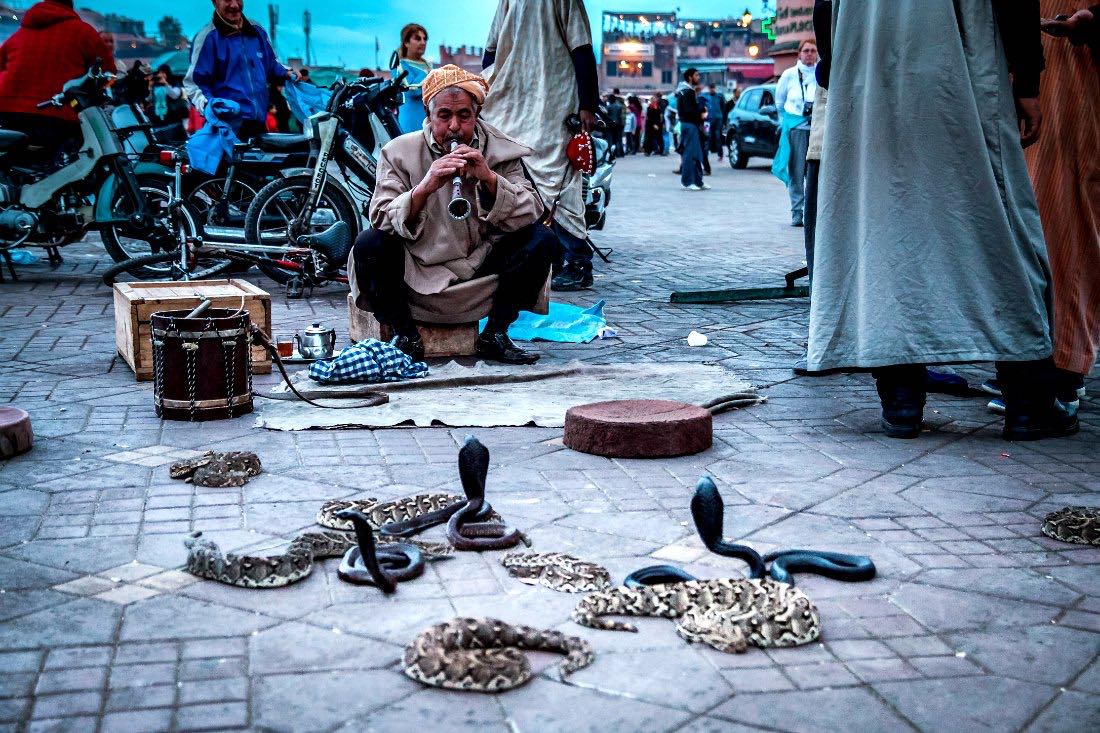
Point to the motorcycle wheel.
(125, 242)
(276, 205)
(206, 195)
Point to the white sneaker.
(704, 187)
(692, 187)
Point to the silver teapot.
(317, 343)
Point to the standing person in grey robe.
(541, 68)
(929, 248)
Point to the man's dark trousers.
(521, 258)
(691, 164)
(704, 149)
(813, 171)
(715, 138)
(573, 252)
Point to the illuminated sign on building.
(628, 48)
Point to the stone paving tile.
(850, 709)
(990, 702)
(136, 720)
(1069, 711)
(672, 677)
(332, 698)
(103, 631)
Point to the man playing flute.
(417, 262)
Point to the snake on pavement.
(218, 469)
(467, 528)
(485, 654)
(399, 517)
(729, 614)
(557, 571)
(1079, 524)
(206, 560)
(708, 509)
(368, 563)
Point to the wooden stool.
(15, 432)
(638, 429)
(440, 339)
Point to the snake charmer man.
(417, 262)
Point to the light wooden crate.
(439, 339)
(135, 302)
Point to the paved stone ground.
(975, 621)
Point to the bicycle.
(313, 261)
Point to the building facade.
(468, 58)
(794, 21)
(648, 52)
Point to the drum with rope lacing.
(202, 366)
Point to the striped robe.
(1065, 170)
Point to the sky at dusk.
(344, 33)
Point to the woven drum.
(202, 367)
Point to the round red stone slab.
(638, 429)
(15, 432)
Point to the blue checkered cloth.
(367, 361)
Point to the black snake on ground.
(368, 563)
(485, 655)
(467, 529)
(708, 509)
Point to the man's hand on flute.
(441, 173)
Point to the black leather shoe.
(497, 346)
(411, 344)
(571, 279)
(902, 396)
(1031, 421)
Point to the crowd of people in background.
(653, 125)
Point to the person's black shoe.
(1031, 421)
(411, 344)
(902, 395)
(571, 279)
(496, 346)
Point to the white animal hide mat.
(487, 395)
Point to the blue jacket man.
(713, 101)
(232, 59)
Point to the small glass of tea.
(285, 345)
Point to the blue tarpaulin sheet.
(564, 323)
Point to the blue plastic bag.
(216, 139)
(22, 257)
(305, 100)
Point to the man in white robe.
(541, 68)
